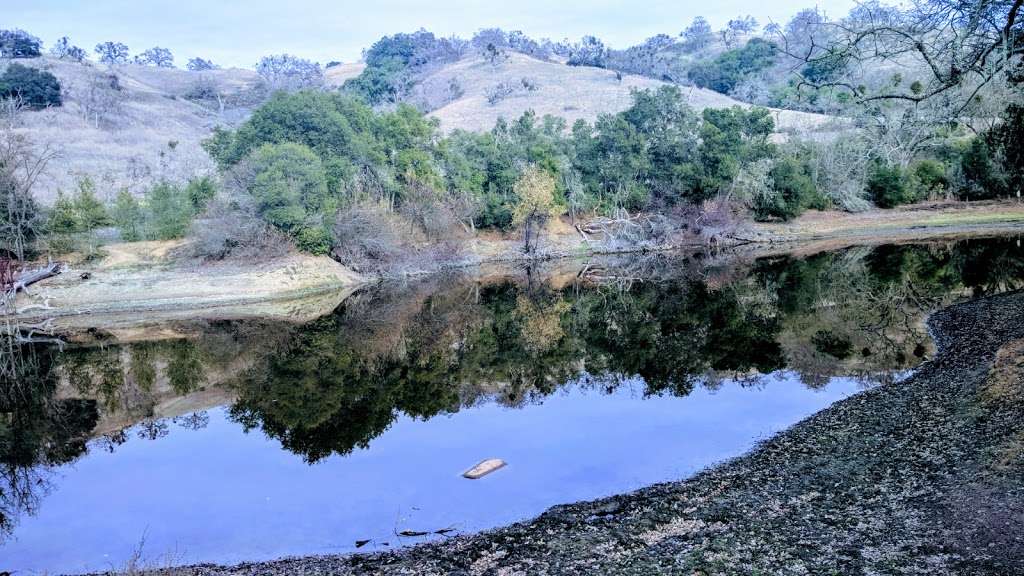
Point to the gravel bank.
(920, 477)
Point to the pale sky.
(238, 33)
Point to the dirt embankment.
(918, 221)
(144, 282)
(922, 476)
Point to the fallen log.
(26, 279)
(20, 282)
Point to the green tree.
(90, 213)
(887, 186)
(170, 212)
(128, 216)
(200, 191)
(37, 88)
(290, 189)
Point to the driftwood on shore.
(23, 280)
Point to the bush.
(367, 238)
(19, 44)
(926, 179)
(792, 191)
(983, 176)
(886, 186)
(231, 228)
(37, 88)
(200, 191)
(128, 216)
(723, 73)
(170, 212)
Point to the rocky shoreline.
(923, 476)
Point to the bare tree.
(20, 168)
(962, 45)
(64, 50)
(287, 72)
(100, 98)
(12, 107)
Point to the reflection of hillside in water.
(442, 344)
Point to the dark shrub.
(983, 177)
(927, 178)
(728, 69)
(886, 186)
(19, 44)
(794, 191)
(38, 88)
(835, 345)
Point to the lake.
(229, 441)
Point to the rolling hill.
(153, 120)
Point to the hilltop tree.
(112, 53)
(697, 35)
(156, 56)
(19, 44)
(289, 73)
(738, 28)
(200, 65)
(64, 50)
(591, 51)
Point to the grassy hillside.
(572, 92)
(132, 131)
(130, 126)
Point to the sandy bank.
(144, 283)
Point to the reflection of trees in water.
(37, 430)
(439, 345)
(344, 379)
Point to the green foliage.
(128, 216)
(37, 88)
(19, 44)
(290, 189)
(886, 185)
(89, 212)
(728, 69)
(825, 68)
(730, 137)
(793, 190)
(314, 239)
(983, 176)
(926, 178)
(61, 224)
(200, 191)
(170, 212)
(1007, 139)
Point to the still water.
(232, 441)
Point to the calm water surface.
(234, 441)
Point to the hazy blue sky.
(238, 32)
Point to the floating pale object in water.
(484, 468)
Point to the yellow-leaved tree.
(535, 203)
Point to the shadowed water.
(234, 441)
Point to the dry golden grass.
(155, 133)
(335, 76)
(571, 92)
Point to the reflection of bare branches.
(22, 489)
